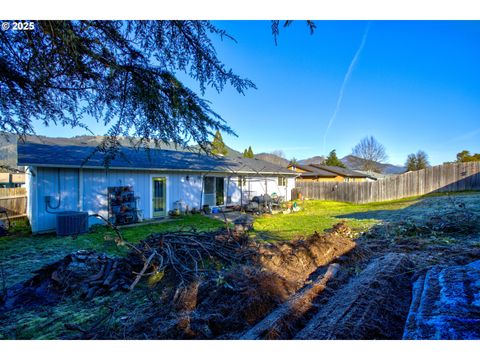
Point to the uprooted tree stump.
(373, 305)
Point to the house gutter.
(158, 169)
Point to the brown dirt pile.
(296, 260)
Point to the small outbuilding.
(62, 178)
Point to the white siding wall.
(44, 182)
(94, 183)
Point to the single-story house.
(317, 172)
(74, 178)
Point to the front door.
(159, 197)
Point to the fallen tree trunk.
(373, 305)
(278, 323)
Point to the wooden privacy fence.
(441, 178)
(14, 200)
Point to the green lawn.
(317, 215)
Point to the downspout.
(48, 198)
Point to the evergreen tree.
(333, 160)
(218, 146)
(293, 161)
(250, 153)
(245, 153)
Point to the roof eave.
(241, 172)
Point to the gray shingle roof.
(130, 158)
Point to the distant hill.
(350, 161)
(232, 152)
(355, 163)
(274, 159)
(8, 145)
(312, 160)
(90, 140)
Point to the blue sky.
(416, 85)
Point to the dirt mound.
(446, 304)
(296, 260)
(373, 305)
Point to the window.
(242, 181)
(282, 181)
(209, 185)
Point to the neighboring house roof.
(313, 171)
(373, 175)
(140, 159)
(339, 170)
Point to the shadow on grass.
(424, 207)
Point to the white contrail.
(344, 84)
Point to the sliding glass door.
(214, 191)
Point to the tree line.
(369, 150)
